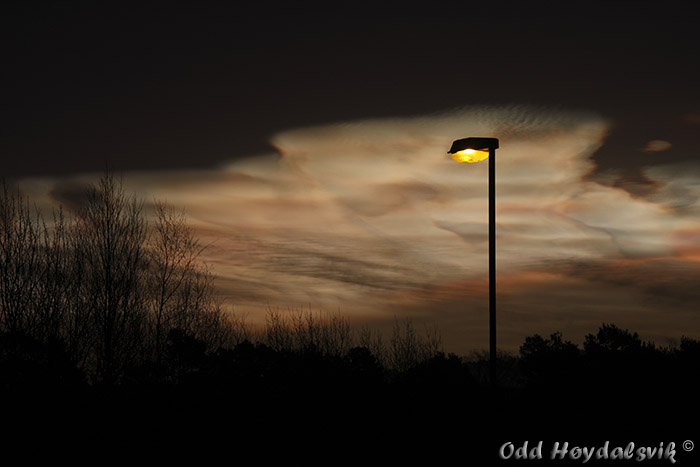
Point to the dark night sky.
(156, 85)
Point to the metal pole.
(492, 265)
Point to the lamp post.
(470, 150)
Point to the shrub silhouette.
(550, 362)
(29, 365)
(618, 362)
(364, 367)
(185, 355)
(684, 368)
(441, 375)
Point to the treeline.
(613, 363)
(105, 299)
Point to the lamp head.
(472, 149)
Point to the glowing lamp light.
(470, 150)
(470, 155)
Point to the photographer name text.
(564, 450)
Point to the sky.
(307, 145)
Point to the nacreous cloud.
(374, 219)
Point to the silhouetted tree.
(552, 361)
(690, 348)
(610, 338)
(185, 354)
(178, 282)
(407, 348)
(687, 370)
(109, 243)
(364, 366)
(56, 282)
(20, 263)
(619, 366)
(36, 277)
(328, 333)
(440, 374)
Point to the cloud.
(657, 145)
(374, 219)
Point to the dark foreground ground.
(316, 428)
(307, 409)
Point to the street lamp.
(470, 150)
